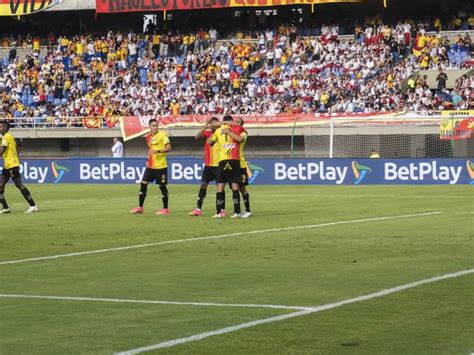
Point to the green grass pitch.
(301, 267)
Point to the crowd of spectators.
(171, 73)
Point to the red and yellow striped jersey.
(229, 148)
(211, 153)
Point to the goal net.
(386, 137)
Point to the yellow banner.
(25, 7)
(458, 113)
(256, 3)
(456, 128)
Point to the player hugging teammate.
(224, 141)
(229, 136)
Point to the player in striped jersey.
(156, 167)
(211, 161)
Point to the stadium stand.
(285, 70)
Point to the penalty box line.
(131, 247)
(118, 300)
(382, 293)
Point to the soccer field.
(85, 276)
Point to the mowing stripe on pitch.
(131, 247)
(79, 200)
(87, 200)
(385, 292)
(118, 300)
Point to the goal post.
(386, 137)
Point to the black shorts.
(160, 176)
(244, 178)
(229, 171)
(209, 174)
(13, 173)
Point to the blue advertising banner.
(261, 171)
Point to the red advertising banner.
(456, 128)
(113, 6)
(136, 126)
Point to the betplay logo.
(360, 171)
(422, 170)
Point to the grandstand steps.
(453, 75)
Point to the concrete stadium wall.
(257, 147)
(414, 145)
(453, 75)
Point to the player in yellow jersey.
(228, 170)
(156, 167)
(11, 169)
(243, 168)
(211, 161)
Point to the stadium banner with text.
(261, 171)
(136, 126)
(73, 5)
(115, 6)
(25, 7)
(457, 113)
(254, 3)
(456, 128)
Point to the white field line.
(382, 293)
(130, 247)
(117, 300)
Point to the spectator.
(117, 148)
(441, 79)
(113, 74)
(12, 54)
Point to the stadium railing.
(260, 121)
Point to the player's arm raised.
(199, 135)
